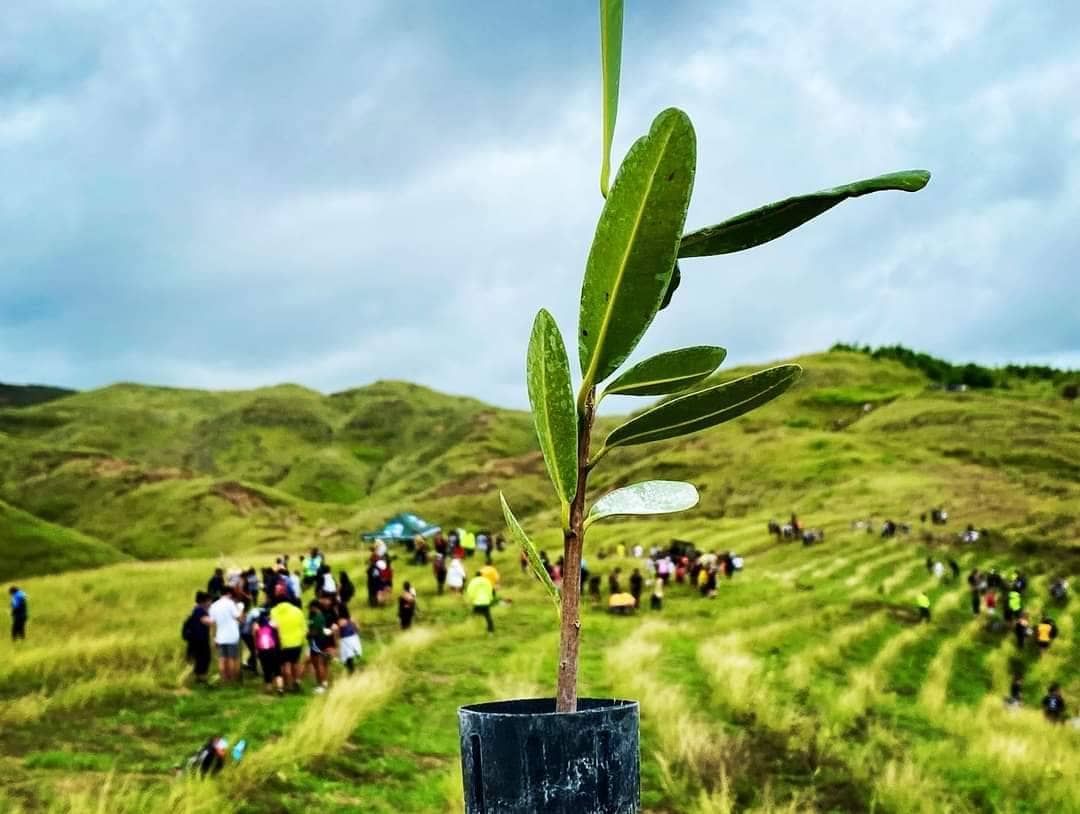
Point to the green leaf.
(649, 497)
(611, 24)
(705, 408)
(637, 238)
(777, 219)
(552, 401)
(673, 286)
(668, 372)
(531, 554)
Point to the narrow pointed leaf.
(611, 25)
(777, 219)
(531, 554)
(668, 372)
(706, 408)
(649, 497)
(552, 401)
(633, 253)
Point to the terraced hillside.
(158, 472)
(807, 684)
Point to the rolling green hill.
(806, 684)
(155, 472)
(25, 395)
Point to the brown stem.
(573, 541)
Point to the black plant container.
(522, 757)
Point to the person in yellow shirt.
(291, 626)
(481, 594)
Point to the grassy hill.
(29, 545)
(805, 685)
(25, 395)
(159, 472)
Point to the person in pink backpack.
(268, 648)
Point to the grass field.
(805, 685)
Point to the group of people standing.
(229, 618)
(680, 563)
(275, 631)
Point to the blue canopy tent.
(403, 527)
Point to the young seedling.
(631, 274)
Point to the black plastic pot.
(522, 756)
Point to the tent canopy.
(403, 526)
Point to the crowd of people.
(286, 623)
(269, 637)
(680, 563)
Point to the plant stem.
(573, 542)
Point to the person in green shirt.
(292, 629)
(321, 628)
(480, 594)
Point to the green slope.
(25, 395)
(29, 546)
(160, 472)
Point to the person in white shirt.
(455, 575)
(327, 584)
(225, 615)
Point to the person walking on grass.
(292, 629)
(922, 602)
(196, 633)
(1053, 705)
(1015, 604)
(320, 645)
(455, 575)
(225, 614)
(1045, 633)
(20, 612)
(438, 567)
(1021, 629)
(406, 606)
(349, 646)
(268, 647)
(480, 594)
(637, 585)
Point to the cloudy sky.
(234, 194)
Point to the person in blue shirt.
(19, 613)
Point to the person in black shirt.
(406, 606)
(346, 589)
(197, 636)
(613, 582)
(637, 582)
(216, 586)
(1054, 705)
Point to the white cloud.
(230, 196)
